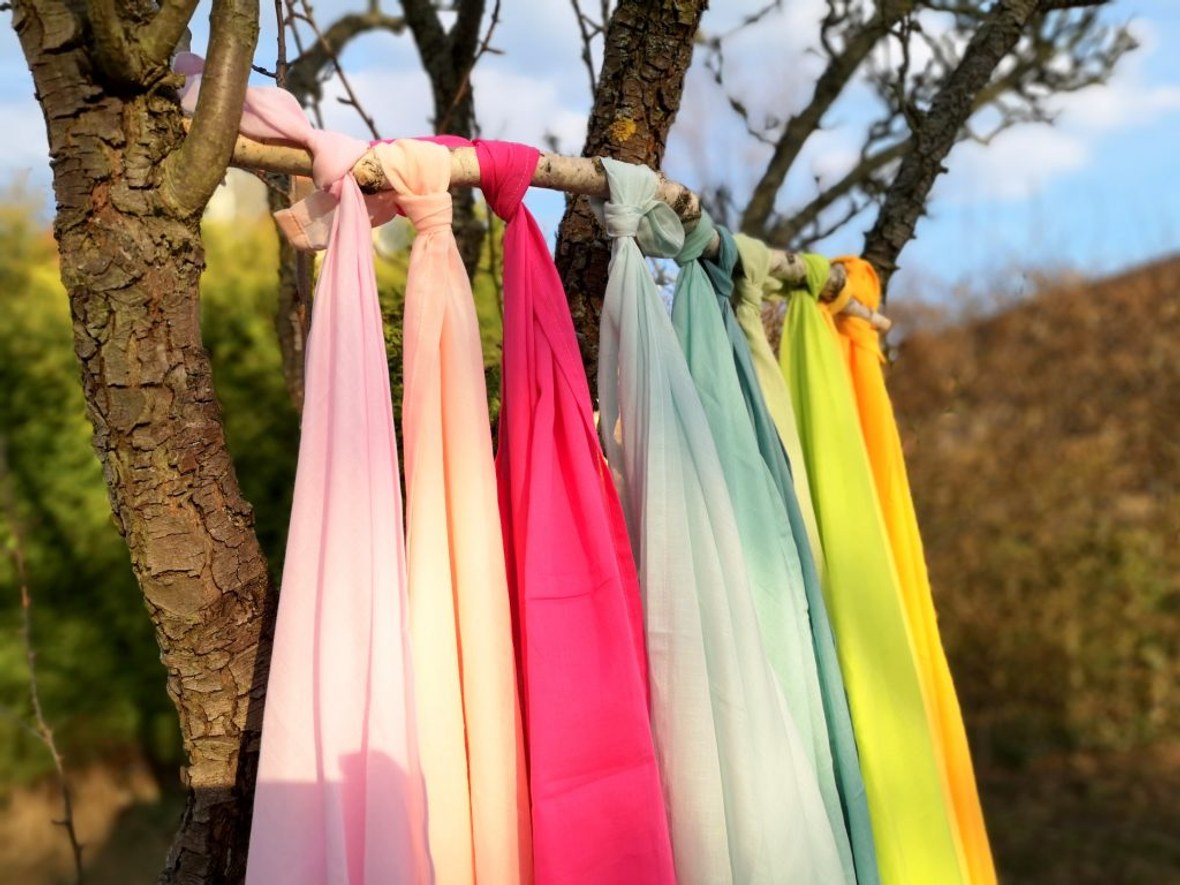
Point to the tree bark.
(937, 132)
(648, 51)
(131, 262)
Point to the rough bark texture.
(938, 130)
(131, 266)
(647, 54)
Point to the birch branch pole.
(574, 175)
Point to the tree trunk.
(131, 267)
(648, 51)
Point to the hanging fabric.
(460, 622)
(339, 794)
(597, 807)
(750, 286)
(738, 809)
(842, 743)
(862, 347)
(912, 829)
(772, 560)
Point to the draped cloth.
(911, 819)
(460, 620)
(598, 811)
(736, 808)
(862, 348)
(842, 742)
(772, 559)
(339, 793)
(750, 287)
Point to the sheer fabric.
(841, 739)
(460, 622)
(339, 794)
(772, 560)
(751, 285)
(598, 811)
(862, 347)
(907, 803)
(719, 719)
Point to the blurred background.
(1033, 368)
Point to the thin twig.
(290, 21)
(589, 30)
(39, 727)
(308, 17)
(281, 46)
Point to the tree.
(131, 185)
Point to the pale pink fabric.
(339, 796)
(468, 715)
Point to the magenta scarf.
(598, 812)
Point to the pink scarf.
(598, 812)
(339, 796)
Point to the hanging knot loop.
(505, 173)
(419, 173)
(428, 212)
(755, 281)
(863, 284)
(633, 211)
(696, 240)
(818, 269)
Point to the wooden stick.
(574, 175)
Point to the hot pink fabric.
(339, 796)
(469, 719)
(598, 811)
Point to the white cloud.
(1015, 166)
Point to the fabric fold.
(737, 810)
(772, 559)
(841, 740)
(597, 807)
(862, 347)
(750, 287)
(339, 795)
(460, 621)
(911, 820)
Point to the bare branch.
(191, 173)
(843, 64)
(463, 89)
(159, 38)
(588, 31)
(952, 106)
(303, 76)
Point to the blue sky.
(1094, 193)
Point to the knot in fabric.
(862, 282)
(333, 155)
(418, 173)
(818, 270)
(755, 280)
(696, 240)
(505, 173)
(633, 210)
(428, 212)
